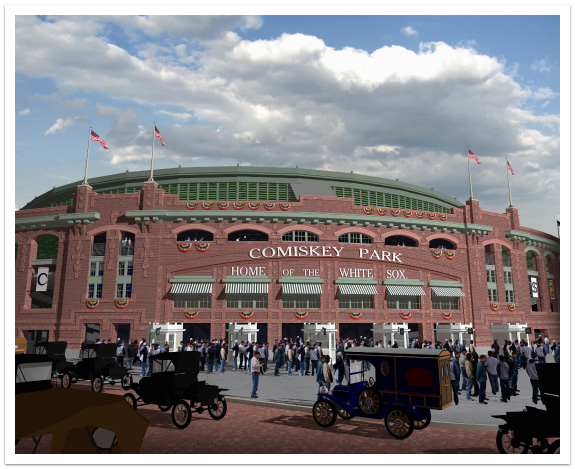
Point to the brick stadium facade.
(320, 254)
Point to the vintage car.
(33, 373)
(405, 385)
(98, 365)
(516, 435)
(79, 421)
(56, 351)
(174, 380)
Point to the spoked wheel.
(66, 380)
(344, 414)
(127, 381)
(97, 384)
(164, 407)
(131, 399)
(324, 413)
(554, 448)
(506, 445)
(421, 424)
(369, 401)
(181, 415)
(399, 423)
(218, 409)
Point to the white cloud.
(541, 66)
(180, 116)
(60, 125)
(409, 31)
(24, 112)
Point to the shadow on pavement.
(371, 429)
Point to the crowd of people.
(470, 372)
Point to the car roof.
(394, 352)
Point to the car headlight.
(323, 389)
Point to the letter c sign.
(42, 279)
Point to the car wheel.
(131, 399)
(181, 415)
(164, 407)
(127, 381)
(421, 424)
(324, 413)
(369, 401)
(97, 384)
(505, 443)
(399, 423)
(218, 409)
(66, 380)
(554, 448)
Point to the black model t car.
(98, 365)
(33, 373)
(516, 435)
(174, 380)
(56, 351)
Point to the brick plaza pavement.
(277, 427)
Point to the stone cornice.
(159, 216)
(532, 240)
(56, 221)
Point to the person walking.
(277, 360)
(301, 356)
(339, 368)
(469, 376)
(223, 357)
(324, 376)
(492, 372)
(212, 351)
(290, 358)
(307, 357)
(235, 353)
(555, 350)
(503, 374)
(514, 374)
(131, 352)
(540, 352)
(482, 378)
(495, 346)
(248, 355)
(314, 358)
(533, 376)
(255, 367)
(144, 356)
(241, 352)
(455, 374)
(120, 352)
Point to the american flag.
(94, 136)
(159, 135)
(473, 156)
(510, 168)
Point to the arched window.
(355, 238)
(505, 257)
(247, 235)
(529, 260)
(300, 236)
(196, 235)
(127, 244)
(399, 240)
(99, 245)
(440, 243)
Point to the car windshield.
(359, 371)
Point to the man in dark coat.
(131, 351)
(495, 346)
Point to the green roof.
(258, 184)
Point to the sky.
(400, 97)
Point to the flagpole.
(509, 185)
(152, 168)
(469, 170)
(85, 183)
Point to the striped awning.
(447, 291)
(405, 290)
(357, 289)
(237, 287)
(188, 288)
(301, 288)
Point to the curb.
(302, 408)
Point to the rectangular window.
(99, 290)
(492, 293)
(508, 277)
(120, 290)
(195, 301)
(93, 268)
(356, 302)
(445, 302)
(128, 290)
(247, 300)
(121, 268)
(130, 268)
(403, 302)
(91, 290)
(293, 301)
(491, 276)
(509, 296)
